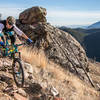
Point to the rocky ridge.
(59, 46)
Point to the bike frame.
(8, 52)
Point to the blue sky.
(59, 12)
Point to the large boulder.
(33, 15)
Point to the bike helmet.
(11, 20)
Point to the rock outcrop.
(59, 46)
(33, 15)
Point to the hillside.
(91, 43)
(46, 76)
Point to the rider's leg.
(2, 42)
(2, 37)
(13, 39)
(2, 52)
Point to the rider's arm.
(1, 27)
(19, 32)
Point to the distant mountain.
(94, 26)
(92, 45)
(77, 33)
(77, 26)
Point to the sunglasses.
(10, 23)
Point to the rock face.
(58, 45)
(33, 15)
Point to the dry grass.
(34, 57)
(66, 83)
(57, 71)
(70, 86)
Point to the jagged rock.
(33, 15)
(34, 88)
(6, 98)
(22, 92)
(28, 70)
(5, 62)
(58, 98)
(33, 91)
(19, 97)
(59, 46)
(3, 85)
(6, 79)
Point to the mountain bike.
(12, 52)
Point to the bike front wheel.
(18, 72)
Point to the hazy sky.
(59, 12)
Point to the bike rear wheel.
(18, 72)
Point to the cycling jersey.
(14, 28)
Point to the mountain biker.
(8, 27)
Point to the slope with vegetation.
(44, 76)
